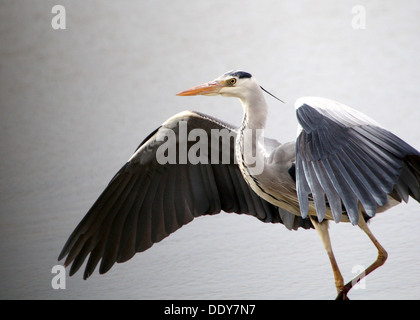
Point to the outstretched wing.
(343, 157)
(149, 199)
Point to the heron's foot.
(342, 294)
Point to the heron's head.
(231, 84)
(238, 84)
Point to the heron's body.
(343, 167)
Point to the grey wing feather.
(146, 201)
(344, 158)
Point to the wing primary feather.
(332, 195)
(382, 156)
(94, 258)
(144, 221)
(402, 190)
(380, 173)
(158, 231)
(302, 187)
(199, 191)
(98, 214)
(238, 203)
(358, 183)
(317, 191)
(184, 199)
(411, 181)
(128, 238)
(92, 219)
(111, 228)
(211, 188)
(81, 256)
(225, 187)
(169, 202)
(343, 189)
(178, 196)
(373, 175)
(116, 234)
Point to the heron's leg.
(380, 260)
(322, 229)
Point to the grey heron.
(343, 166)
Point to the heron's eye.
(231, 81)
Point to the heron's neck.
(250, 140)
(255, 112)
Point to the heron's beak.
(208, 89)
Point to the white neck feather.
(250, 141)
(255, 110)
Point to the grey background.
(75, 104)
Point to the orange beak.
(209, 88)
